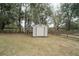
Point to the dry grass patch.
(21, 44)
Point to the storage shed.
(40, 30)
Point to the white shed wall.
(40, 31)
(46, 31)
(34, 31)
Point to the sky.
(56, 5)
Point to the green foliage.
(70, 12)
(67, 15)
(39, 12)
(75, 9)
(9, 14)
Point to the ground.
(22, 44)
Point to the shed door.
(40, 31)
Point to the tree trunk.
(19, 25)
(19, 18)
(3, 26)
(25, 23)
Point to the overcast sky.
(56, 5)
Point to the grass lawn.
(21, 44)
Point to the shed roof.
(39, 25)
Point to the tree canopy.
(12, 15)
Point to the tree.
(71, 12)
(67, 14)
(36, 13)
(75, 9)
(40, 12)
(57, 18)
(6, 16)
